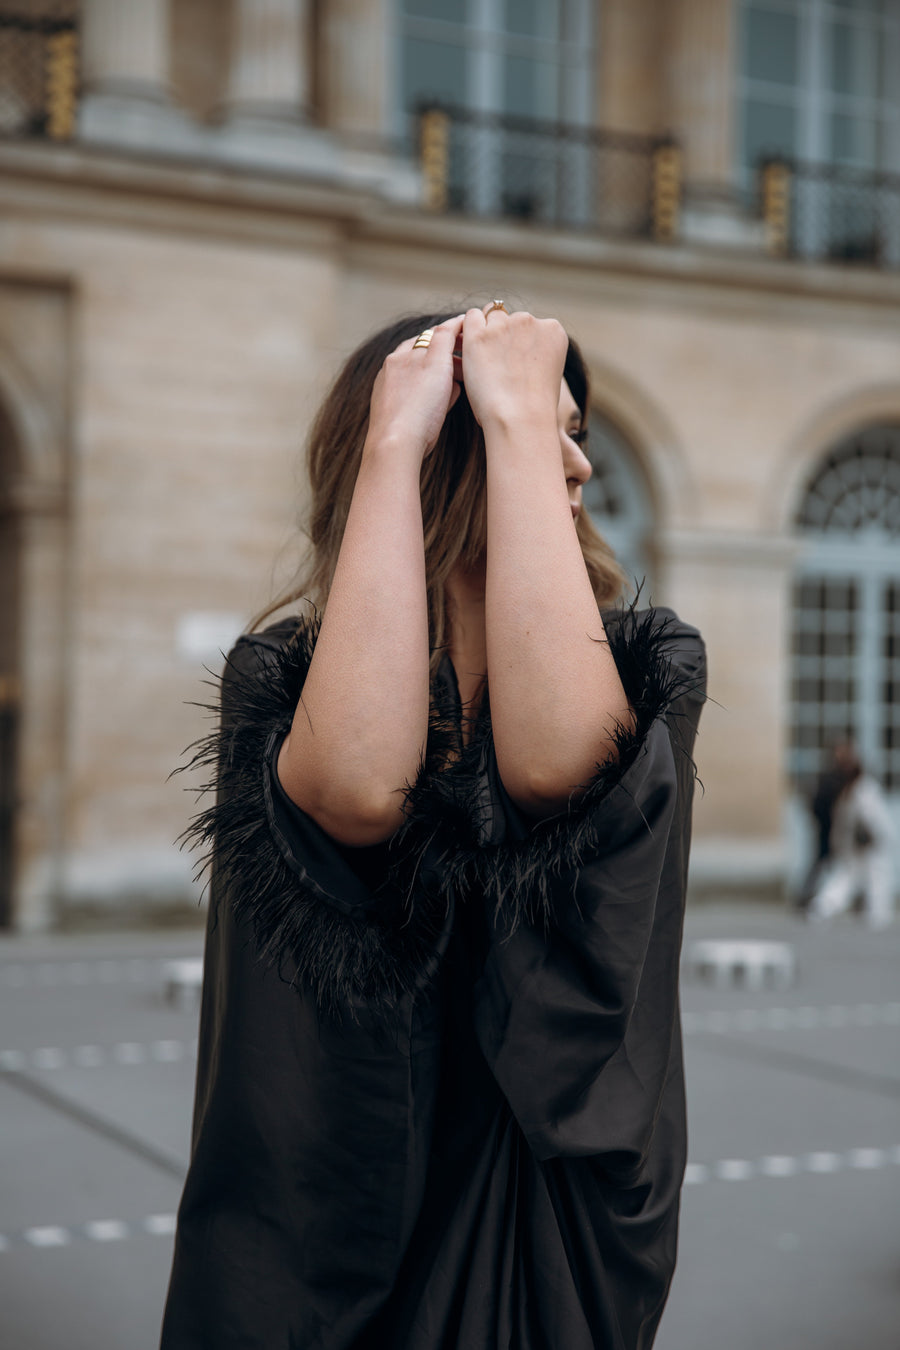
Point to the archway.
(846, 609)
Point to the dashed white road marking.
(126, 1053)
(823, 1162)
(106, 1230)
(44, 974)
(868, 1158)
(47, 1237)
(733, 1169)
(793, 1019)
(96, 1230)
(48, 1058)
(777, 1166)
(780, 1166)
(87, 1056)
(696, 1174)
(160, 1225)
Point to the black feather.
(442, 855)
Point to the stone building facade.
(237, 198)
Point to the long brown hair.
(453, 483)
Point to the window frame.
(814, 103)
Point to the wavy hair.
(453, 484)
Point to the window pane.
(452, 11)
(853, 140)
(529, 87)
(433, 71)
(769, 129)
(771, 46)
(854, 60)
(860, 6)
(533, 18)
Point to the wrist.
(394, 448)
(535, 425)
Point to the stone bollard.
(747, 962)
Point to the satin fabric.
(495, 1159)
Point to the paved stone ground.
(791, 1211)
(790, 1230)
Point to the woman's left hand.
(512, 365)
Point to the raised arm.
(556, 696)
(361, 724)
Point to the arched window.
(846, 620)
(617, 497)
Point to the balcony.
(612, 183)
(830, 213)
(549, 173)
(38, 76)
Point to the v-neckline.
(467, 723)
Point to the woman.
(859, 862)
(439, 1093)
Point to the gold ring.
(424, 338)
(495, 304)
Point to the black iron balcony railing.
(38, 74)
(567, 176)
(831, 213)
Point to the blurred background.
(204, 206)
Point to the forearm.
(556, 696)
(360, 727)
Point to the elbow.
(539, 792)
(358, 823)
(544, 787)
(357, 812)
(356, 816)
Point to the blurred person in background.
(858, 865)
(440, 1094)
(832, 781)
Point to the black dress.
(440, 1098)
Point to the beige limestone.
(270, 58)
(358, 69)
(167, 331)
(699, 63)
(125, 47)
(630, 66)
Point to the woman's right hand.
(413, 393)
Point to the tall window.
(820, 80)
(528, 57)
(846, 640)
(501, 59)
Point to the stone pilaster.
(269, 76)
(358, 57)
(701, 88)
(125, 75)
(629, 66)
(701, 65)
(125, 49)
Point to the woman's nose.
(577, 465)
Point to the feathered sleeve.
(334, 920)
(577, 1004)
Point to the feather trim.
(371, 954)
(374, 953)
(517, 876)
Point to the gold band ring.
(424, 339)
(495, 304)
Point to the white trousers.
(867, 873)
